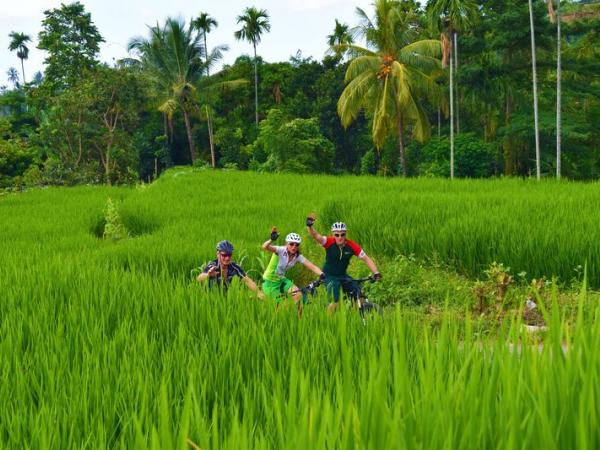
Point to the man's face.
(224, 258)
(340, 237)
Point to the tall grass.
(109, 344)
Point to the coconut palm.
(535, 97)
(391, 77)
(18, 42)
(449, 17)
(340, 36)
(205, 23)
(172, 56)
(255, 23)
(13, 76)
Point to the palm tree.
(535, 98)
(173, 59)
(13, 76)
(255, 23)
(449, 17)
(205, 23)
(18, 43)
(391, 77)
(340, 36)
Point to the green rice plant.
(113, 345)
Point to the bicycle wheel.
(369, 309)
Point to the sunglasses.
(294, 244)
(339, 234)
(225, 255)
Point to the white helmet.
(338, 226)
(293, 237)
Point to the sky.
(295, 25)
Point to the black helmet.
(225, 247)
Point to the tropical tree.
(172, 57)
(535, 96)
(449, 17)
(205, 23)
(72, 42)
(18, 43)
(13, 76)
(340, 36)
(255, 23)
(392, 76)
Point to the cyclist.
(222, 271)
(275, 284)
(338, 252)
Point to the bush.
(15, 158)
(473, 157)
(294, 145)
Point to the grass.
(111, 344)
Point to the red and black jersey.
(337, 258)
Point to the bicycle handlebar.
(313, 285)
(370, 278)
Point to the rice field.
(111, 344)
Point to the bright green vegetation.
(109, 343)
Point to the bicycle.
(365, 307)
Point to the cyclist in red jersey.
(338, 252)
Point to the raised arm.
(310, 221)
(268, 245)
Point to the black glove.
(310, 221)
(376, 276)
(322, 277)
(274, 234)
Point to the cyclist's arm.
(269, 247)
(209, 271)
(252, 286)
(316, 236)
(203, 276)
(312, 267)
(369, 262)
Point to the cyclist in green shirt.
(338, 252)
(275, 284)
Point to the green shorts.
(277, 290)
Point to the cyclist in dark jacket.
(222, 271)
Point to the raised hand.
(274, 234)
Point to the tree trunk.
(508, 145)
(23, 70)
(455, 51)
(211, 138)
(107, 168)
(208, 118)
(451, 120)
(535, 98)
(206, 54)
(558, 92)
(255, 85)
(188, 128)
(401, 144)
